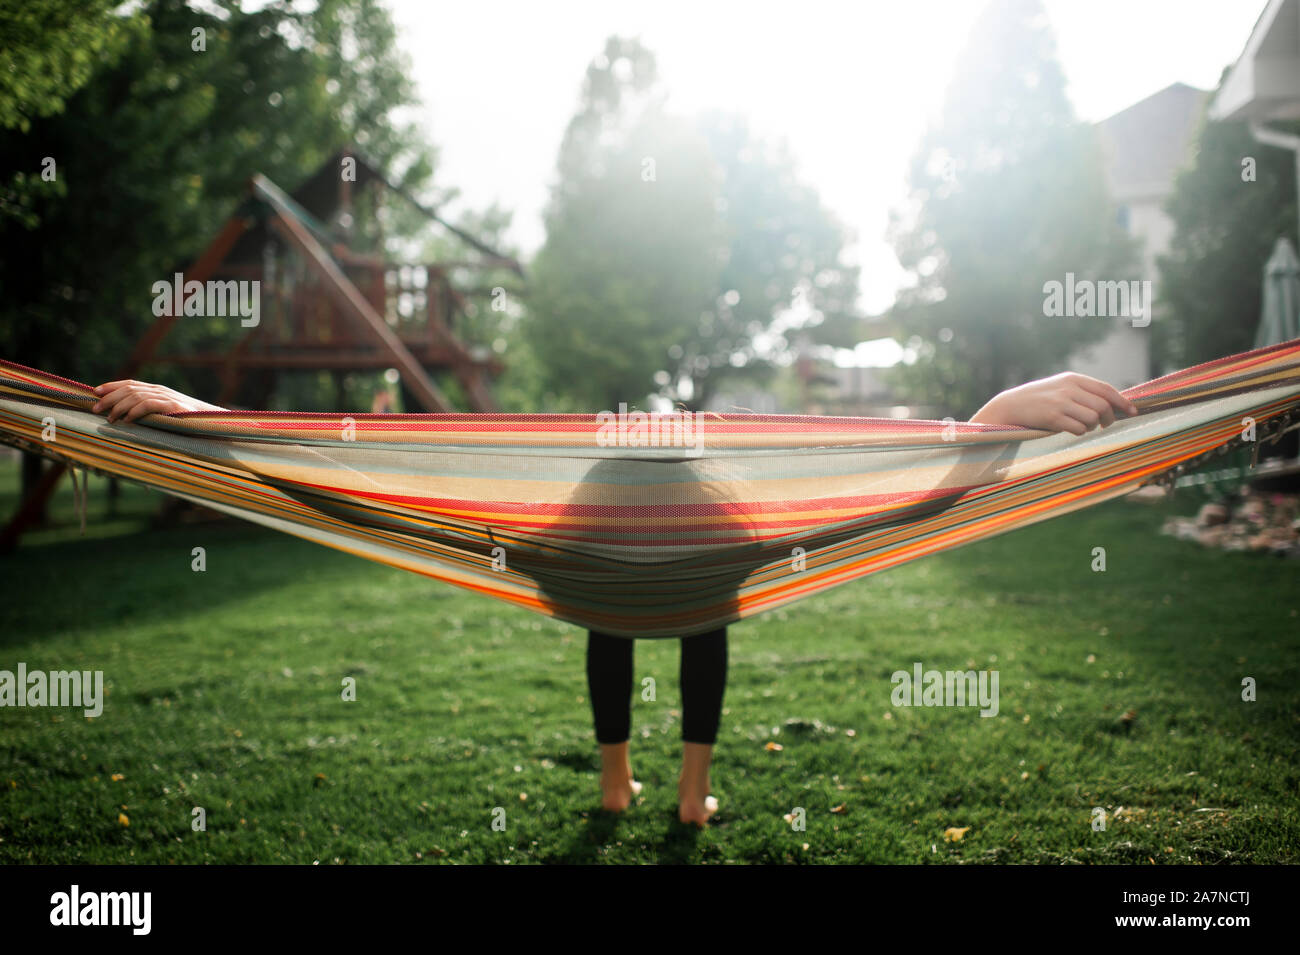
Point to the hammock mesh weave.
(545, 512)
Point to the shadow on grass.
(147, 576)
(680, 845)
(592, 832)
(595, 830)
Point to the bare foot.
(695, 805)
(617, 787)
(616, 794)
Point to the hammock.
(627, 531)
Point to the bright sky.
(850, 85)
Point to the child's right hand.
(1065, 402)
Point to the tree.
(675, 249)
(150, 146)
(1229, 205)
(50, 49)
(632, 252)
(1008, 193)
(152, 153)
(783, 272)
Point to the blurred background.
(852, 211)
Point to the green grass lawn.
(224, 693)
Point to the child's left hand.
(129, 400)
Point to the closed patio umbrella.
(1279, 319)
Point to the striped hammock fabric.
(648, 527)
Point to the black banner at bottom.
(332, 904)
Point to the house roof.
(1264, 83)
(1147, 142)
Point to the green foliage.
(1008, 193)
(1211, 280)
(154, 150)
(674, 250)
(627, 269)
(48, 50)
(782, 275)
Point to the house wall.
(1123, 357)
(1145, 145)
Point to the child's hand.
(1065, 402)
(129, 400)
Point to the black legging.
(703, 679)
